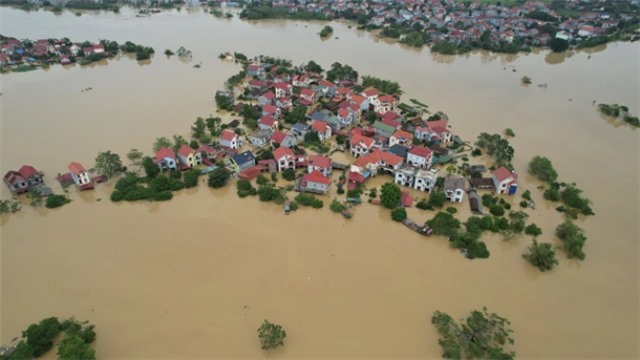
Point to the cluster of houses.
(28, 178)
(16, 52)
(460, 22)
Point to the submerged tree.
(541, 255)
(108, 163)
(271, 335)
(481, 336)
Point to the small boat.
(287, 207)
(422, 230)
(346, 214)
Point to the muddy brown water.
(194, 277)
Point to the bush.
(245, 188)
(524, 204)
(542, 168)
(526, 195)
(191, 178)
(309, 200)
(424, 205)
(55, 201)
(572, 238)
(541, 256)
(268, 193)
(39, 337)
(176, 185)
(162, 195)
(444, 224)
(476, 152)
(289, 174)
(452, 210)
(218, 178)
(336, 206)
(552, 194)
(274, 176)
(262, 180)
(437, 199)
(175, 174)
(497, 210)
(117, 196)
(390, 195)
(399, 214)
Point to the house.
(257, 85)
(360, 145)
(315, 182)
(301, 80)
(260, 137)
(322, 128)
(266, 98)
(327, 88)
(454, 188)
(211, 153)
(300, 130)
(284, 158)
(383, 130)
(401, 138)
(405, 176)
(31, 175)
(268, 123)
(505, 181)
(385, 103)
(284, 103)
(346, 117)
(189, 157)
(320, 163)
(270, 110)
(439, 128)
(425, 180)
(399, 150)
(361, 101)
(165, 159)
(80, 176)
(420, 157)
(16, 182)
(377, 161)
(255, 70)
(284, 140)
(475, 203)
(308, 95)
(283, 89)
(371, 94)
(243, 161)
(585, 30)
(230, 139)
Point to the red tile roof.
(406, 199)
(307, 93)
(281, 85)
(165, 153)
(501, 174)
(76, 168)
(278, 137)
(227, 135)
(257, 83)
(269, 95)
(320, 161)
(185, 150)
(399, 134)
(281, 152)
(356, 177)
(316, 177)
(27, 171)
(357, 99)
(391, 116)
(326, 83)
(378, 156)
(420, 151)
(343, 113)
(267, 120)
(271, 109)
(370, 92)
(357, 139)
(13, 177)
(319, 125)
(437, 123)
(387, 99)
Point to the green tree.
(296, 115)
(22, 351)
(542, 168)
(74, 348)
(541, 255)
(134, 155)
(178, 141)
(150, 167)
(218, 178)
(558, 45)
(533, 230)
(108, 163)
(444, 224)
(198, 130)
(191, 178)
(336, 206)
(399, 214)
(289, 174)
(482, 335)
(271, 335)
(313, 67)
(437, 198)
(40, 336)
(161, 142)
(390, 195)
(311, 137)
(572, 238)
(326, 31)
(497, 147)
(54, 201)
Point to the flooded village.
(208, 266)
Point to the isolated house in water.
(165, 159)
(80, 176)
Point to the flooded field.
(195, 277)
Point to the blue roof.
(300, 126)
(244, 157)
(399, 150)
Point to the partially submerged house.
(243, 161)
(315, 182)
(22, 180)
(454, 188)
(189, 157)
(80, 176)
(165, 159)
(505, 181)
(230, 139)
(284, 158)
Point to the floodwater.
(195, 277)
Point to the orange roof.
(420, 151)
(387, 99)
(320, 161)
(76, 168)
(357, 139)
(357, 99)
(319, 125)
(316, 177)
(378, 156)
(402, 134)
(165, 153)
(227, 135)
(370, 92)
